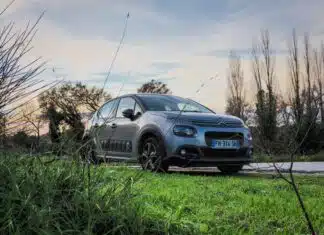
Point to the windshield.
(172, 103)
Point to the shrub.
(67, 197)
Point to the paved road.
(298, 167)
(301, 167)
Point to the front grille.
(219, 124)
(212, 153)
(209, 136)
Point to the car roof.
(149, 94)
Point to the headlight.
(186, 131)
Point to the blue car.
(159, 131)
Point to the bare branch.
(17, 80)
(236, 101)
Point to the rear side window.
(107, 111)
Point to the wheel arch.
(149, 131)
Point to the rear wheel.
(230, 169)
(152, 154)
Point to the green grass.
(64, 197)
(229, 204)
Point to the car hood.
(201, 118)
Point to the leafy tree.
(21, 139)
(90, 98)
(55, 118)
(66, 104)
(154, 87)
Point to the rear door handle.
(114, 125)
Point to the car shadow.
(242, 174)
(208, 172)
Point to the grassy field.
(229, 204)
(64, 197)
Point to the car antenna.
(117, 50)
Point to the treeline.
(63, 111)
(282, 122)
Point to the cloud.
(165, 66)
(244, 53)
(181, 44)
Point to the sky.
(181, 43)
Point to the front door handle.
(114, 125)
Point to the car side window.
(107, 111)
(125, 103)
(138, 110)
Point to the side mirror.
(128, 113)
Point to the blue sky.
(182, 43)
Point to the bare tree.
(33, 120)
(2, 129)
(236, 101)
(319, 78)
(302, 128)
(292, 150)
(17, 78)
(311, 103)
(322, 84)
(295, 78)
(266, 100)
(308, 77)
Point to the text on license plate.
(226, 144)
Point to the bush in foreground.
(70, 198)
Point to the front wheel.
(152, 154)
(230, 169)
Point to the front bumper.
(199, 151)
(205, 156)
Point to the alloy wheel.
(149, 156)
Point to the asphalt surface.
(298, 167)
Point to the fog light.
(183, 152)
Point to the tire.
(230, 169)
(88, 153)
(151, 157)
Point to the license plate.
(226, 144)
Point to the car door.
(104, 127)
(125, 127)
